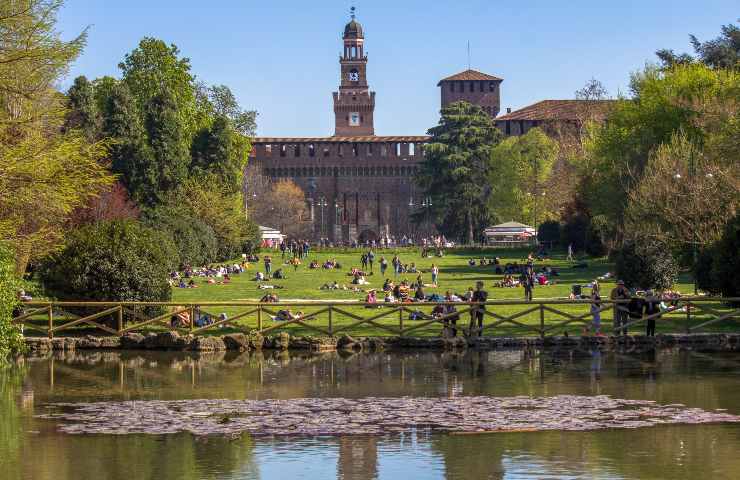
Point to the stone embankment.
(283, 341)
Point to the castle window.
(283, 150)
(326, 151)
(508, 127)
(369, 149)
(472, 87)
(384, 150)
(491, 86)
(268, 149)
(412, 149)
(480, 86)
(452, 86)
(355, 150)
(398, 149)
(311, 150)
(297, 150)
(340, 150)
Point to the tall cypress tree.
(216, 150)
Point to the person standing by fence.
(383, 266)
(621, 308)
(527, 281)
(435, 274)
(652, 308)
(370, 259)
(596, 308)
(479, 296)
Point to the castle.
(360, 186)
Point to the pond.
(35, 448)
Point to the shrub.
(10, 336)
(646, 263)
(194, 240)
(726, 262)
(549, 232)
(120, 260)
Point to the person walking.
(363, 261)
(283, 247)
(480, 296)
(383, 266)
(371, 258)
(621, 297)
(268, 265)
(527, 280)
(396, 265)
(435, 274)
(570, 253)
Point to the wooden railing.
(502, 317)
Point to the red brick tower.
(354, 103)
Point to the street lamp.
(322, 204)
(427, 205)
(535, 210)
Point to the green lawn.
(303, 285)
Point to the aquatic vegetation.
(373, 416)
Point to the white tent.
(270, 236)
(509, 234)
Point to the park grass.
(455, 275)
(303, 286)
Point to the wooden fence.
(504, 317)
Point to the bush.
(119, 260)
(645, 263)
(10, 336)
(194, 240)
(716, 270)
(549, 232)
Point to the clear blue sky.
(281, 57)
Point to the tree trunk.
(22, 257)
(470, 227)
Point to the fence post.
(331, 328)
(50, 314)
(192, 318)
(259, 318)
(120, 319)
(542, 321)
(400, 320)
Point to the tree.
(194, 240)
(83, 113)
(646, 263)
(45, 172)
(225, 104)
(718, 264)
(119, 260)
(721, 52)
(154, 69)
(694, 100)
(113, 203)
(219, 150)
(521, 167)
(10, 335)
(456, 169)
(283, 206)
(549, 232)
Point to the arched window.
(412, 149)
(311, 150)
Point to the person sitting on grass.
(295, 262)
(286, 315)
(313, 265)
(279, 274)
(471, 263)
(269, 298)
(419, 295)
(389, 298)
(387, 285)
(403, 291)
(371, 298)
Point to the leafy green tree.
(721, 52)
(521, 168)
(119, 260)
(219, 150)
(194, 240)
(154, 70)
(10, 336)
(663, 104)
(83, 113)
(456, 169)
(167, 166)
(646, 263)
(225, 104)
(549, 232)
(717, 265)
(45, 171)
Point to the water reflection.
(31, 448)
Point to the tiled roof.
(357, 139)
(559, 110)
(471, 75)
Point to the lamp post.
(408, 217)
(534, 194)
(322, 204)
(427, 205)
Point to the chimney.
(508, 109)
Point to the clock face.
(354, 119)
(354, 76)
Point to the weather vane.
(352, 12)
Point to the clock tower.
(354, 103)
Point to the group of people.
(628, 307)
